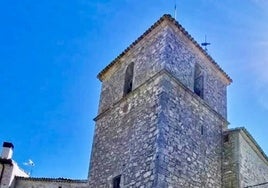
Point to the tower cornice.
(157, 75)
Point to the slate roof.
(51, 179)
(157, 23)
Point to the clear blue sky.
(51, 52)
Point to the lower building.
(244, 162)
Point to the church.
(162, 123)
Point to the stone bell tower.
(161, 115)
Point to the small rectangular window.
(198, 86)
(128, 86)
(116, 181)
(226, 138)
(202, 130)
(198, 81)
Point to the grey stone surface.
(189, 157)
(152, 136)
(165, 48)
(180, 59)
(253, 167)
(147, 56)
(230, 169)
(245, 163)
(125, 140)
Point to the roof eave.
(157, 23)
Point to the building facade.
(162, 122)
(162, 119)
(166, 131)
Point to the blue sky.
(51, 52)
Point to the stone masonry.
(161, 123)
(245, 164)
(161, 134)
(171, 130)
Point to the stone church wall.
(253, 165)
(244, 162)
(230, 169)
(125, 140)
(181, 57)
(147, 57)
(125, 124)
(190, 143)
(164, 133)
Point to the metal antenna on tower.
(205, 44)
(175, 10)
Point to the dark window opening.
(226, 138)
(128, 79)
(116, 181)
(198, 81)
(202, 130)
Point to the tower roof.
(169, 18)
